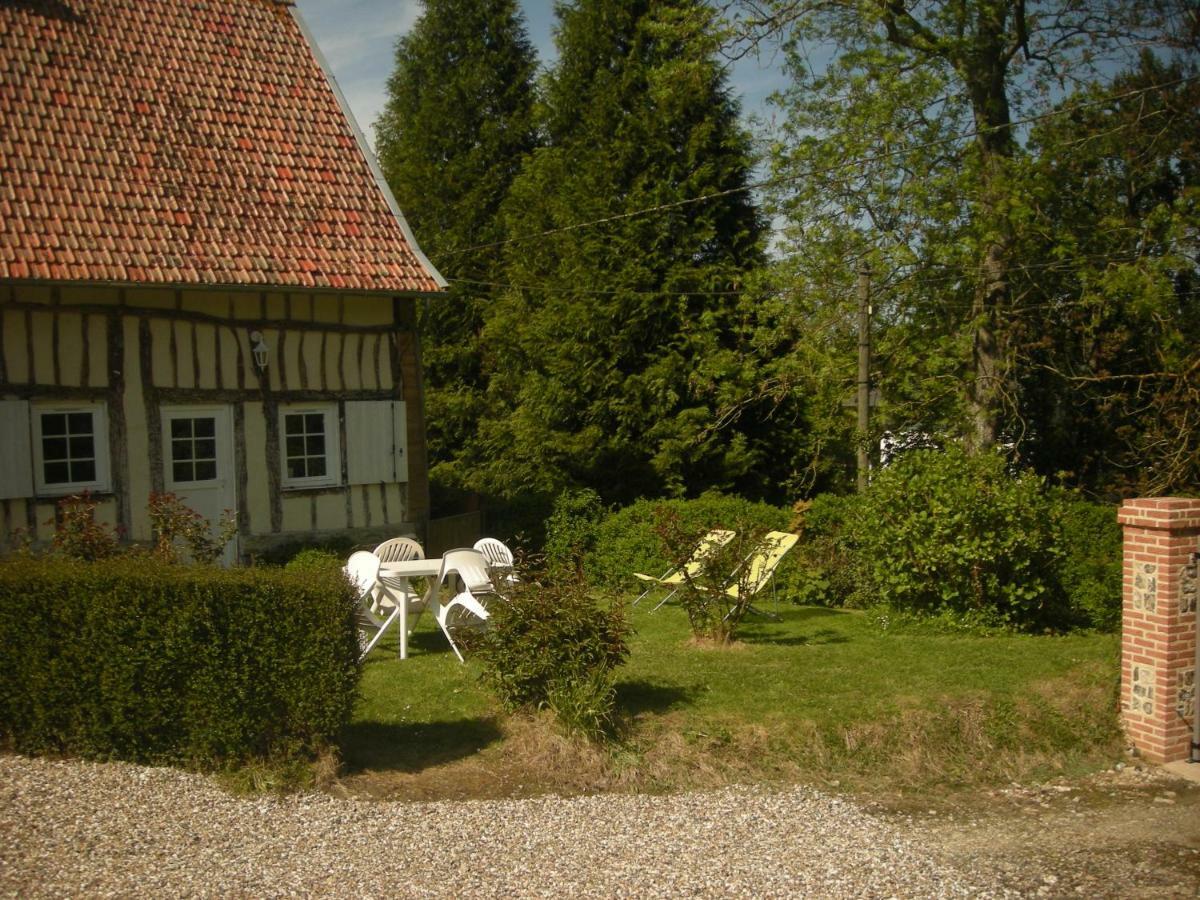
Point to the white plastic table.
(397, 575)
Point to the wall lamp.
(258, 346)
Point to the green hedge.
(1090, 571)
(625, 541)
(137, 660)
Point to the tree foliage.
(607, 348)
(457, 126)
(903, 146)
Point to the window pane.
(54, 448)
(181, 449)
(181, 428)
(182, 471)
(315, 423)
(56, 473)
(316, 465)
(54, 423)
(206, 449)
(295, 468)
(83, 470)
(83, 447)
(79, 423)
(315, 445)
(293, 423)
(206, 427)
(295, 446)
(206, 470)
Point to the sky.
(358, 38)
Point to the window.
(193, 449)
(70, 446)
(310, 446)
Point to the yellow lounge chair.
(673, 578)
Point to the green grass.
(821, 696)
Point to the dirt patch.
(1126, 832)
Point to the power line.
(783, 179)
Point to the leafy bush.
(708, 569)
(78, 535)
(554, 646)
(133, 659)
(178, 527)
(827, 569)
(316, 561)
(1090, 571)
(571, 531)
(626, 540)
(944, 531)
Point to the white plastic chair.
(362, 570)
(499, 560)
(379, 605)
(468, 566)
(398, 549)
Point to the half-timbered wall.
(136, 350)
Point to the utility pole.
(864, 373)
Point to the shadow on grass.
(816, 638)
(782, 631)
(411, 748)
(634, 697)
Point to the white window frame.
(333, 443)
(102, 483)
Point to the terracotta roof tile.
(184, 141)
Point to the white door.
(198, 463)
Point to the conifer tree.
(456, 128)
(609, 348)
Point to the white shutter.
(400, 438)
(376, 442)
(16, 457)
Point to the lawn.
(821, 696)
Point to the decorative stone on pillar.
(1158, 635)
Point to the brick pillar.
(1158, 637)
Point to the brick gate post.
(1158, 634)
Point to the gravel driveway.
(71, 828)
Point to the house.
(205, 285)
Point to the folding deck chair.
(759, 567)
(674, 578)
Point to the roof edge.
(239, 287)
(365, 149)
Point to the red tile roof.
(184, 142)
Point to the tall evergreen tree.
(607, 352)
(457, 125)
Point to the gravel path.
(71, 828)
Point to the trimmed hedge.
(137, 660)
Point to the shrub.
(571, 531)
(827, 570)
(944, 531)
(713, 613)
(137, 660)
(626, 540)
(554, 646)
(178, 527)
(78, 535)
(316, 561)
(1090, 572)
